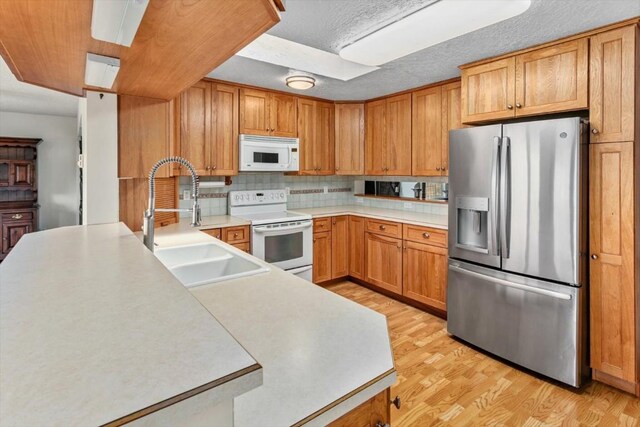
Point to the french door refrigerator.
(517, 243)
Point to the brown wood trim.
(279, 5)
(264, 89)
(420, 306)
(587, 33)
(343, 398)
(404, 92)
(404, 199)
(629, 387)
(183, 396)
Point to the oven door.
(268, 156)
(286, 245)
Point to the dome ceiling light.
(300, 81)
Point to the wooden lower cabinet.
(384, 262)
(372, 413)
(356, 247)
(15, 224)
(424, 272)
(339, 246)
(239, 237)
(321, 257)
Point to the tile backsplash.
(304, 192)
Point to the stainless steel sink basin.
(203, 263)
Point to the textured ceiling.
(332, 24)
(20, 97)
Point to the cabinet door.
(254, 112)
(12, 231)
(451, 119)
(307, 136)
(325, 138)
(553, 79)
(612, 293)
(224, 130)
(425, 274)
(398, 142)
(144, 135)
(375, 138)
(22, 173)
(195, 127)
(349, 139)
(488, 91)
(426, 139)
(282, 115)
(321, 257)
(612, 71)
(339, 246)
(384, 262)
(356, 247)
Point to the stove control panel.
(257, 197)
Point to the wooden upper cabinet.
(349, 139)
(451, 118)
(488, 91)
(195, 127)
(611, 239)
(306, 135)
(340, 246)
(254, 112)
(224, 130)
(427, 132)
(144, 135)
(325, 138)
(316, 134)
(612, 70)
(553, 79)
(425, 274)
(282, 115)
(398, 143)
(375, 137)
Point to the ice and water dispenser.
(472, 223)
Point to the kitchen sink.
(203, 263)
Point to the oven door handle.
(265, 229)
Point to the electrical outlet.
(408, 205)
(325, 189)
(287, 190)
(186, 195)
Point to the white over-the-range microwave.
(268, 154)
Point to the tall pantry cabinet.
(613, 207)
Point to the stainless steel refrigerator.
(517, 243)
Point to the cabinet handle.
(437, 168)
(382, 227)
(396, 402)
(595, 131)
(314, 240)
(17, 216)
(594, 256)
(444, 168)
(214, 167)
(267, 129)
(518, 105)
(509, 106)
(272, 129)
(426, 235)
(207, 168)
(235, 234)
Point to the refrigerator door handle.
(526, 288)
(505, 202)
(495, 183)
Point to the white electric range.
(278, 236)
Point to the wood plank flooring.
(441, 381)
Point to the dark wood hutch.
(18, 190)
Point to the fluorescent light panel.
(117, 21)
(438, 22)
(101, 71)
(278, 51)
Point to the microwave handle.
(265, 229)
(267, 145)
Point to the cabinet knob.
(207, 168)
(437, 168)
(594, 256)
(595, 131)
(426, 235)
(235, 234)
(267, 129)
(518, 105)
(444, 168)
(272, 129)
(214, 167)
(509, 106)
(382, 227)
(396, 402)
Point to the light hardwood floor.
(441, 381)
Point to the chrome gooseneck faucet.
(149, 215)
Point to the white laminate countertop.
(93, 328)
(417, 218)
(316, 347)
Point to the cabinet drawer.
(246, 246)
(321, 224)
(236, 234)
(429, 236)
(15, 216)
(213, 232)
(385, 228)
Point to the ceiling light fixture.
(101, 71)
(117, 21)
(439, 21)
(300, 81)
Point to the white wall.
(58, 176)
(99, 123)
